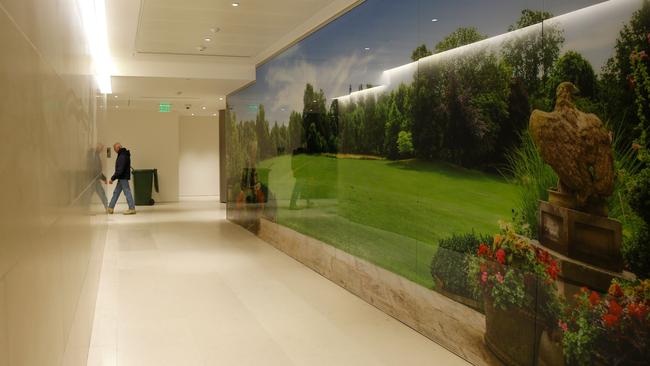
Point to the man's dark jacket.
(122, 165)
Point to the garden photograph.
(499, 161)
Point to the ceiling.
(159, 47)
(182, 27)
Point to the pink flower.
(563, 325)
(499, 277)
(484, 277)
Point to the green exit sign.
(165, 107)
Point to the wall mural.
(494, 152)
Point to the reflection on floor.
(182, 286)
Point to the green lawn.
(390, 213)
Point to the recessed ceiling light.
(204, 107)
(192, 114)
(117, 107)
(214, 29)
(114, 96)
(207, 39)
(367, 48)
(434, 20)
(214, 114)
(235, 4)
(221, 98)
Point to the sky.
(381, 34)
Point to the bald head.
(117, 146)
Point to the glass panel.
(402, 138)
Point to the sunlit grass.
(390, 213)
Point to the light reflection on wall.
(594, 18)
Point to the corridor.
(180, 285)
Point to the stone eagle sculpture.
(578, 147)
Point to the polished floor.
(182, 286)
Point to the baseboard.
(198, 198)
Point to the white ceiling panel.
(180, 26)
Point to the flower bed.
(610, 329)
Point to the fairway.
(389, 213)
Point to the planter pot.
(513, 335)
(467, 301)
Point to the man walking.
(122, 175)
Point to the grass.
(389, 213)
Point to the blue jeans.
(122, 185)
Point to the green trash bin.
(143, 180)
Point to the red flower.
(483, 250)
(594, 298)
(614, 308)
(637, 310)
(543, 256)
(564, 326)
(501, 256)
(610, 320)
(615, 290)
(552, 270)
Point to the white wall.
(152, 138)
(52, 225)
(199, 156)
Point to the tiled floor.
(182, 286)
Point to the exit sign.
(165, 107)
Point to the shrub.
(405, 144)
(450, 262)
(534, 178)
(636, 250)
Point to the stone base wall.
(456, 327)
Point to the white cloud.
(287, 82)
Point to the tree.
(532, 54)
(620, 108)
(278, 138)
(393, 128)
(420, 52)
(460, 37)
(314, 113)
(405, 144)
(264, 147)
(296, 135)
(576, 69)
(234, 155)
(333, 120)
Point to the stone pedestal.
(575, 274)
(595, 240)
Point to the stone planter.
(467, 301)
(513, 335)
